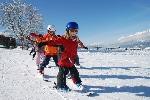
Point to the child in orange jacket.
(49, 50)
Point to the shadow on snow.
(107, 68)
(138, 90)
(113, 76)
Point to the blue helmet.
(72, 25)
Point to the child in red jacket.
(66, 62)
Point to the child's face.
(73, 32)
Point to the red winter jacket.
(70, 51)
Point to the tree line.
(8, 41)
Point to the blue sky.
(99, 20)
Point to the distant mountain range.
(139, 39)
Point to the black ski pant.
(34, 53)
(63, 71)
(47, 59)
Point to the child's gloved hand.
(86, 48)
(58, 35)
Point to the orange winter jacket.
(50, 49)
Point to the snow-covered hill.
(110, 76)
(139, 39)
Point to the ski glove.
(86, 48)
(58, 35)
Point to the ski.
(63, 94)
(46, 78)
(90, 94)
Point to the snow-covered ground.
(110, 76)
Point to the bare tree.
(20, 18)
